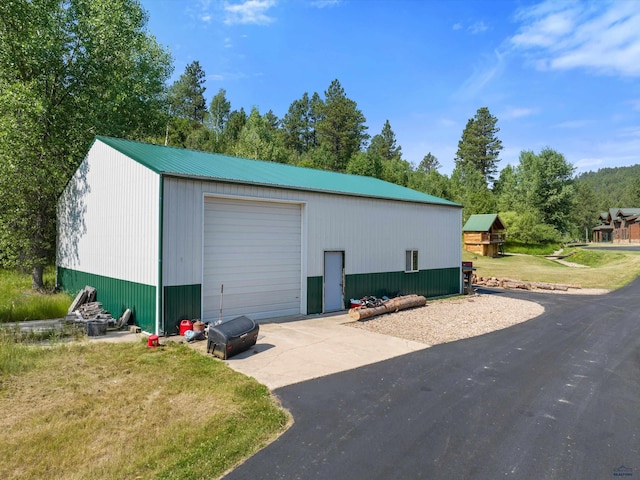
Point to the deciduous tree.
(505, 190)
(469, 189)
(545, 183)
(69, 69)
(257, 139)
(219, 111)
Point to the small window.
(411, 264)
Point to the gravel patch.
(448, 320)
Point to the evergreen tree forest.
(540, 199)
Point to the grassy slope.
(609, 269)
(112, 411)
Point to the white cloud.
(325, 3)
(516, 112)
(478, 27)
(489, 69)
(249, 12)
(574, 124)
(585, 164)
(600, 36)
(447, 122)
(232, 76)
(473, 29)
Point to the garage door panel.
(254, 249)
(257, 306)
(271, 282)
(239, 262)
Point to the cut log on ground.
(510, 283)
(391, 305)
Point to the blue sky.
(559, 74)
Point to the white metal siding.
(108, 218)
(373, 233)
(254, 250)
(182, 241)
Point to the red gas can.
(185, 325)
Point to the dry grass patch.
(112, 411)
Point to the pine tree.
(186, 95)
(297, 125)
(429, 163)
(479, 145)
(384, 144)
(341, 127)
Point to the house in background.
(484, 235)
(618, 225)
(175, 234)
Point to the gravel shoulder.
(448, 320)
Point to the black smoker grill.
(234, 336)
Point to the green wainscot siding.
(115, 295)
(314, 295)
(181, 302)
(429, 283)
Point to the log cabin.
(484, 235)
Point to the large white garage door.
(253, 249)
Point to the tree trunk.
(37, 282)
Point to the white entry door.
(333, 281)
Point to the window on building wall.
(411, 261)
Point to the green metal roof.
(482, 223)
(212, 166)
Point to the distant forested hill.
(614, 187)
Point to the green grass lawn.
(609, 269)
(80, 409)
(111, 411)
(18, 302)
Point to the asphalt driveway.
(557, 397)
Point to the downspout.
(159, 293)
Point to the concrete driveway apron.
(293, 350)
